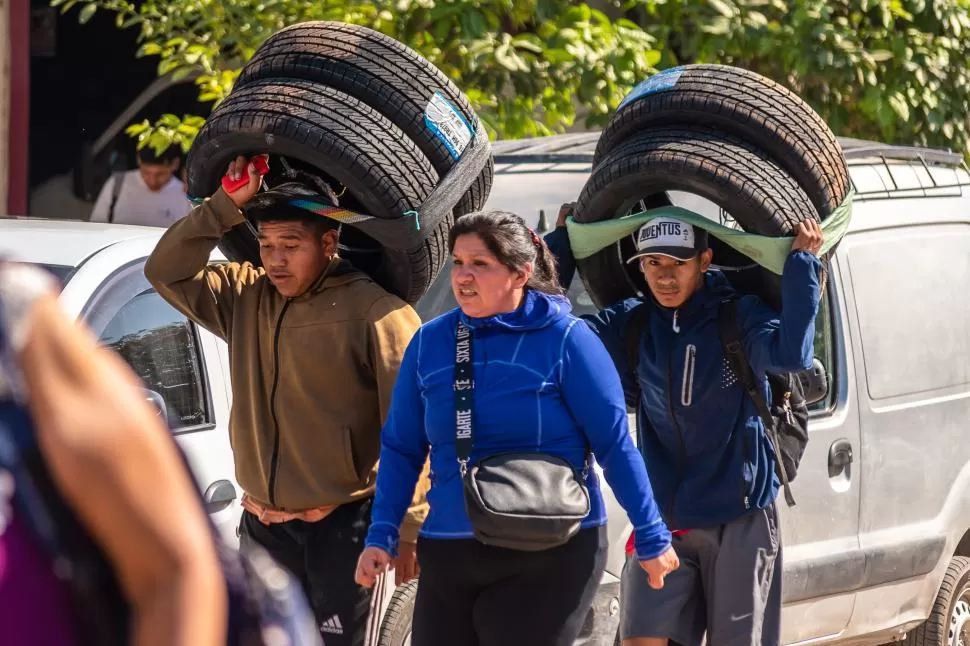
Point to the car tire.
(397, 620)
(748, 105)
(380, 71)
(349, 143)
(951, 610)
(715, 165)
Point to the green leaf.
(169, 120)
(900, 106)
(136, 129)
(181, 73)
(149, 49)
(723, 7)
(86, 13)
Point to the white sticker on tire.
(448, 124)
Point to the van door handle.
(219, 495)
(840, 457)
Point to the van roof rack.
(573, 152)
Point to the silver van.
(877, 549)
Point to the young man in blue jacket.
(710, 461)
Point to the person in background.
(314, 347)
(150, 195)
(709, 457)
(104, 456)
(542, 382)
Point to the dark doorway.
(82, 78)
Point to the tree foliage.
(892, 70)
(889, 70)
(525, 66)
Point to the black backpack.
(785, 419)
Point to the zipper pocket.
(680, 436)
(746, 445)
(687, 385)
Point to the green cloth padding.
(768, 251)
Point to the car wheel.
(745, 104)
(720, 167)
(380, 71)
(949, 620)
(354, 147)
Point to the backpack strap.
(635, 327)
(117, 181)
(727, 322)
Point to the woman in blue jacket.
(543, 382)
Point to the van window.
(910, 287)
(825, 348)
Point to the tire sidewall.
(961, 588)
(403, 600)
(607, 276)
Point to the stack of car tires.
(728, 135)
(372, 117)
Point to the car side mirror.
(157, 402)
(814, 381)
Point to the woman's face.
(482, 285)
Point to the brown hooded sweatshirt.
(311, 376)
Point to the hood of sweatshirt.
(536, 311)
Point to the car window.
(160, 345)
(61, 272)
(825, 350)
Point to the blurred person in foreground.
(79, 443)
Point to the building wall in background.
(14, 104)
(4, 98)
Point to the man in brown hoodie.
(314, 349)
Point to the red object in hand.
(231, 186)
(630, 547)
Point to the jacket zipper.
(744, 485)
(687, 383)
(673, 420)
(275, 460)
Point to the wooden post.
(4, 101)
(15, 40)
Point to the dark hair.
(513, 244)
(148, 156)
(274, 205)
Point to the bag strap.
(634, 334)
(636, 324)
(118, 180)
(464, 388)
(727, 322)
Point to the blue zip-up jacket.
(544, 383)
(709, 458)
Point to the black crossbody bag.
(521, 501)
